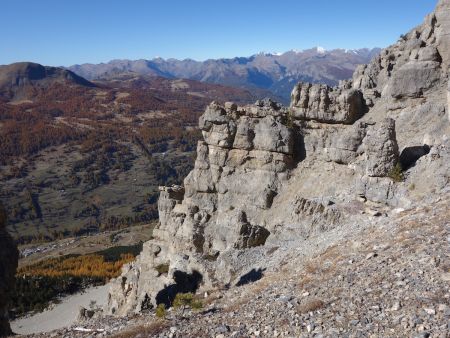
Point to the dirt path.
(61, 315)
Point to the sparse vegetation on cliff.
(160, 311)
(396, 174)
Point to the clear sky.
(66, 32)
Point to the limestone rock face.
(325, 104)
(413, 78)
(8, 264)
(448, 100)
(243, 164)
(418, 62)
(246, 154)
(381, 149)
(266, 176)
(441, 21)
(338, 143)
(249, 166)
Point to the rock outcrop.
(8, 264)
(381, 149)
(325, 104)
(267, 176)
(245, 161)
(417, 63)
(441, 23)
(246, 154)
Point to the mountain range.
(275, 72)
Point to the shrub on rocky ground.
(162, 269)
(310, 306)
(396, 174)
(161, 311)
(183, 301)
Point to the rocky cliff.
(268, 177)
(8, 264)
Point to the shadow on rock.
(410, 155)
(184, 283)
(299, 148)
(251, 277)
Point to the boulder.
(249, 235)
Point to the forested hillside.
(78, 158)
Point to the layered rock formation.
(266, 176)
(245, 156)
(8, 264)
(246, 160)
(329, 105)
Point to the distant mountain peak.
(273, 71)
(321, 50)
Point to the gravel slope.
(387, 278)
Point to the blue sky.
(65, 32)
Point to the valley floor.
(61, 315)
(84, 245)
